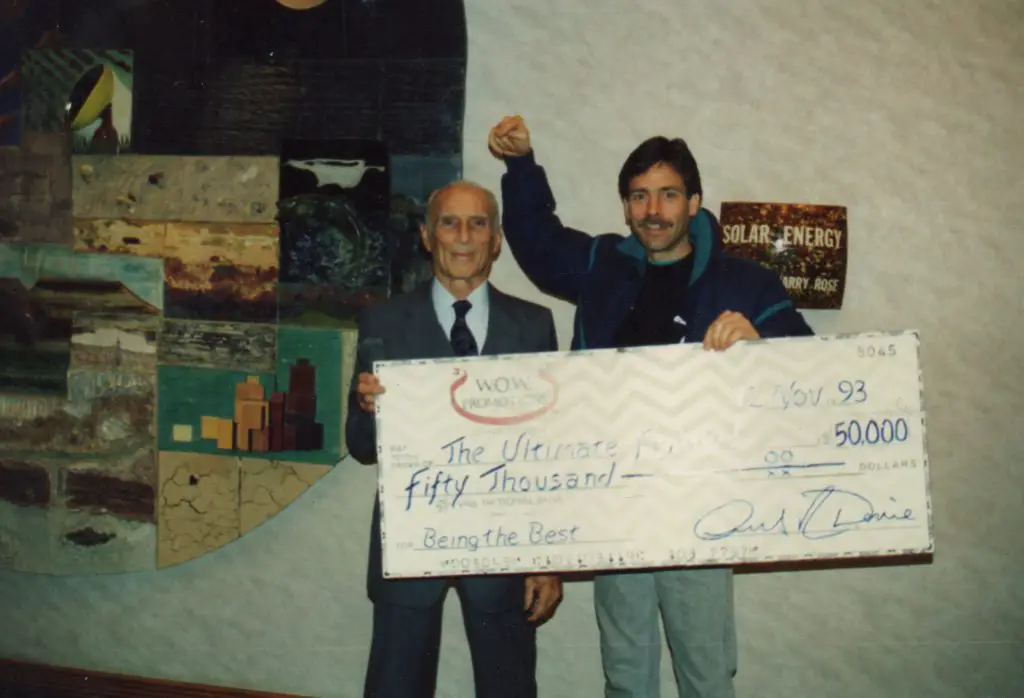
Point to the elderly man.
(457, 313)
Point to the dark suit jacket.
(406, 327)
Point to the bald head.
(437, 197)
(462, 232)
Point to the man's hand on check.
(727, 329)
(368, 389)
(543, 594)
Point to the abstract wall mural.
(334, 207)
(221, 272)
(23, 26)
(86, 92)
(35, 189)
(289, 411)
(48, 290)
(148, 393)
(196, 199)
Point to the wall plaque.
(805, 243)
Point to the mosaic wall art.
(196, 199)
(152, 406)
(83, 91)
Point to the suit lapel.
(426, 339)
(504, 333)
(423, 332)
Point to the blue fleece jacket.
(602, 274)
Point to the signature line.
(790, 466)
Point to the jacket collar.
(704, 234)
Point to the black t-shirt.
(657, 313)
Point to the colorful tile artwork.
(292, 413)
(144, 367)
(178, 331)
(335, 230)
(87, 92)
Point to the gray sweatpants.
(696, 608)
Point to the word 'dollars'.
(502, 399)
(785, 235)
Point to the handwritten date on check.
(775, 450)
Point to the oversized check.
(653, 457)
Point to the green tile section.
(322, 348)
(187, 393)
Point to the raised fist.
(510, 138)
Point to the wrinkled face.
(658, 212)
(463, 237)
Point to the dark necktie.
(463, 342)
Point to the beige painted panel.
(233, 188)
(268, 486)
(138, 187)
(120, 236)
(175, 188)
(240, 244)
(198, 505)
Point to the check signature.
(831, 512)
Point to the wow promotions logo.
(490, 397)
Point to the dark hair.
(655, 151)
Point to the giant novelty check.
(653, 457)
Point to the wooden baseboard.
(24, 680)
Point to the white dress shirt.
(476, 318)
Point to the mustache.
(654, 220)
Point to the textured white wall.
(907, 112)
